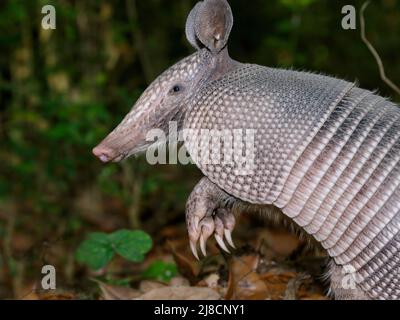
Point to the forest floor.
(269, 264)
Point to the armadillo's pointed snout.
(105, 154)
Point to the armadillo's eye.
(176, 89)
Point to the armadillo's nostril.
(105, 154)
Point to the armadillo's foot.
(207, 213)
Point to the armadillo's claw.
(219, 221)
(228, 237)
(203, 245)
(193, 247)
(207, 229)
(221, 243)
(225, 223)
(196, 221)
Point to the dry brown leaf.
(58, 296)
(212, 280)
(188, 268)
(244, 282)
(38, 294)
(32, 295)
(294, 284)
(148, 285)
(110, 292)
(314, 296)
(276, 283)
(179, 282)
(251, 287)
(180, 293)
(230, 291)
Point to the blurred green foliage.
(62, 90)
(160, 270)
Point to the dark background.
(63, 90)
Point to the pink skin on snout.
(103, 153)
(117, 146)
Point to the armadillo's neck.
(223, 64)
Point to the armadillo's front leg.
(208, 212)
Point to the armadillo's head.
(166, 99)
(163, 101)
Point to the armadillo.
(326, 153)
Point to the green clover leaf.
(96, 251)
(132, 245)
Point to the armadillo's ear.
(190, 27)
(209, 25)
